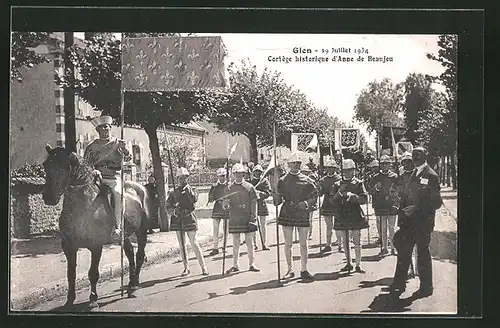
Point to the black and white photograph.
(221, 173)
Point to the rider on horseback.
(105, 154)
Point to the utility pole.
(69, 97)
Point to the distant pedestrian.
(217, 191)
(152, 187)
(181, 205)
(263, 188)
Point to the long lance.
(181, 225)
(259, 227)
(379, 222)
(225, 222)
(346, 241)
(122, 216)
(275, 183)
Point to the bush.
(29, 171)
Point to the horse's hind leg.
(94, 276)
(129, 252)
(70, 253)
(142, 235)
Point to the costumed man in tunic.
(404, 178)
(242, 205)
(105, 154)
(328, 187)
(374, 169)
(383, 188)
(217, 191)
(351, 194)
(314, 177)
(418, 206)
(298, 193)
(152, 187)
(180, 206)
(263, 188)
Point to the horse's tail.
(142, 195)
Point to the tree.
(253, 104)
(184, 152)
(99, 82)
(23, 54)
(447, 56)
(379, 104)
(418, 93)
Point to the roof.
(193, 126)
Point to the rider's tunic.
(104, 156)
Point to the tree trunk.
(254, 154)
(158, 173)
(453, 172)
(321, 162)
(448, 170)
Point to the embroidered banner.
(346, 138)
(173, 64)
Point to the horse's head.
(58, 166)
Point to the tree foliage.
(23, 54)
(256, 101)
(379, 105)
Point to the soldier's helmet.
(104, 119)
(258, 167)
(406, 156)
(385, 159)
(238, 168)
(373, 163)
(348, 164)
(182, 171)
(331, 163)
(221, 171)
(294, 157)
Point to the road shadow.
(380, 282)
(443, 245)
(389, 303)
(331, 276)
(272, 284)
(372, 258)
(318, 255)
(83, 307)
(370, 245)
(205, 279)
(228, 256)
(211, 296)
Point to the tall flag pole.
(275, 176)
(122, 216)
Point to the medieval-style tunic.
(385, 200)
(217, 191)
(314, 177)
(243, 207)
(348, 213)
(294, 189)
(183, 201)
(265, 188)
(328, 188)
(103, 154)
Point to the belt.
(241, 206)
(293, 203)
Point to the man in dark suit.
(418, 205)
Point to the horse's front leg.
(141, 245)
(70, 253)
(129, 252)
(94, 276)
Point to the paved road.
(163, 290)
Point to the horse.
(87, 219)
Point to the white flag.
(313, 145)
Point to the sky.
(334, 85)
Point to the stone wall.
(30, 216)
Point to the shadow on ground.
(272, 284)
(389, 303)
(444, 245)
(380, 282)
